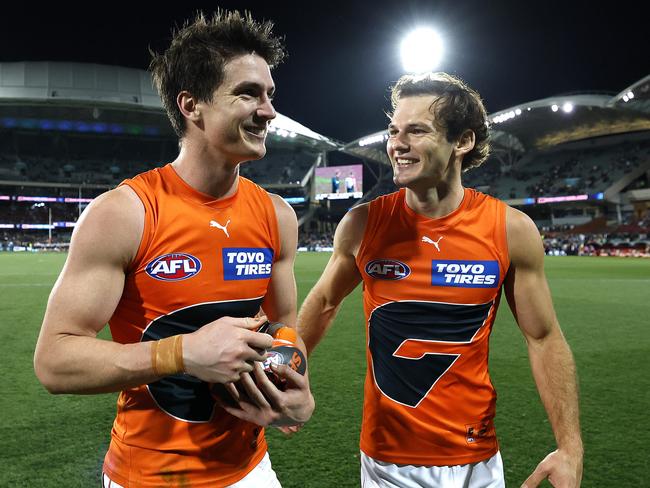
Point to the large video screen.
(338, 182)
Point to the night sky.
(344, 55)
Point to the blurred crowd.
(315, 241)
(558, 241)
(565, 241)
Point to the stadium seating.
(98, 162)
(569, 171)
(72, 160)
(279, 167)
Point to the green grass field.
(603, 305)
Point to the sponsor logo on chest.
(173, 267)
(465, 274)
(387, 269)
(246, 263)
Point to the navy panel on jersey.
(408, 380)
(184, 396)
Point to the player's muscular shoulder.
(524, 241)
(287, 225)
(285, 212)
(112, 224)
(350, 230)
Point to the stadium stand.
(587, 167)
(72, 130)
(578, 164)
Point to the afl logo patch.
(173, 267)
(387, 269)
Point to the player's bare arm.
(338, 280)
(550, 357)
(264, 403)
(280, 302)
(69, 358)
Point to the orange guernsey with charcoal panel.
(431, 292)
(199, 259)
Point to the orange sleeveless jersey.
(431, 292)
(199, 260)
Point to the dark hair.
(198, 52)
(457, 108)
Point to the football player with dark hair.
(180, 261)
(196, 59)
(433, 258)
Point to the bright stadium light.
(421, 50)
(567, 107)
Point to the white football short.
(262, 476)
(484, 474)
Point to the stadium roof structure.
(545, 123)
(636, 96)
(96, 98)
